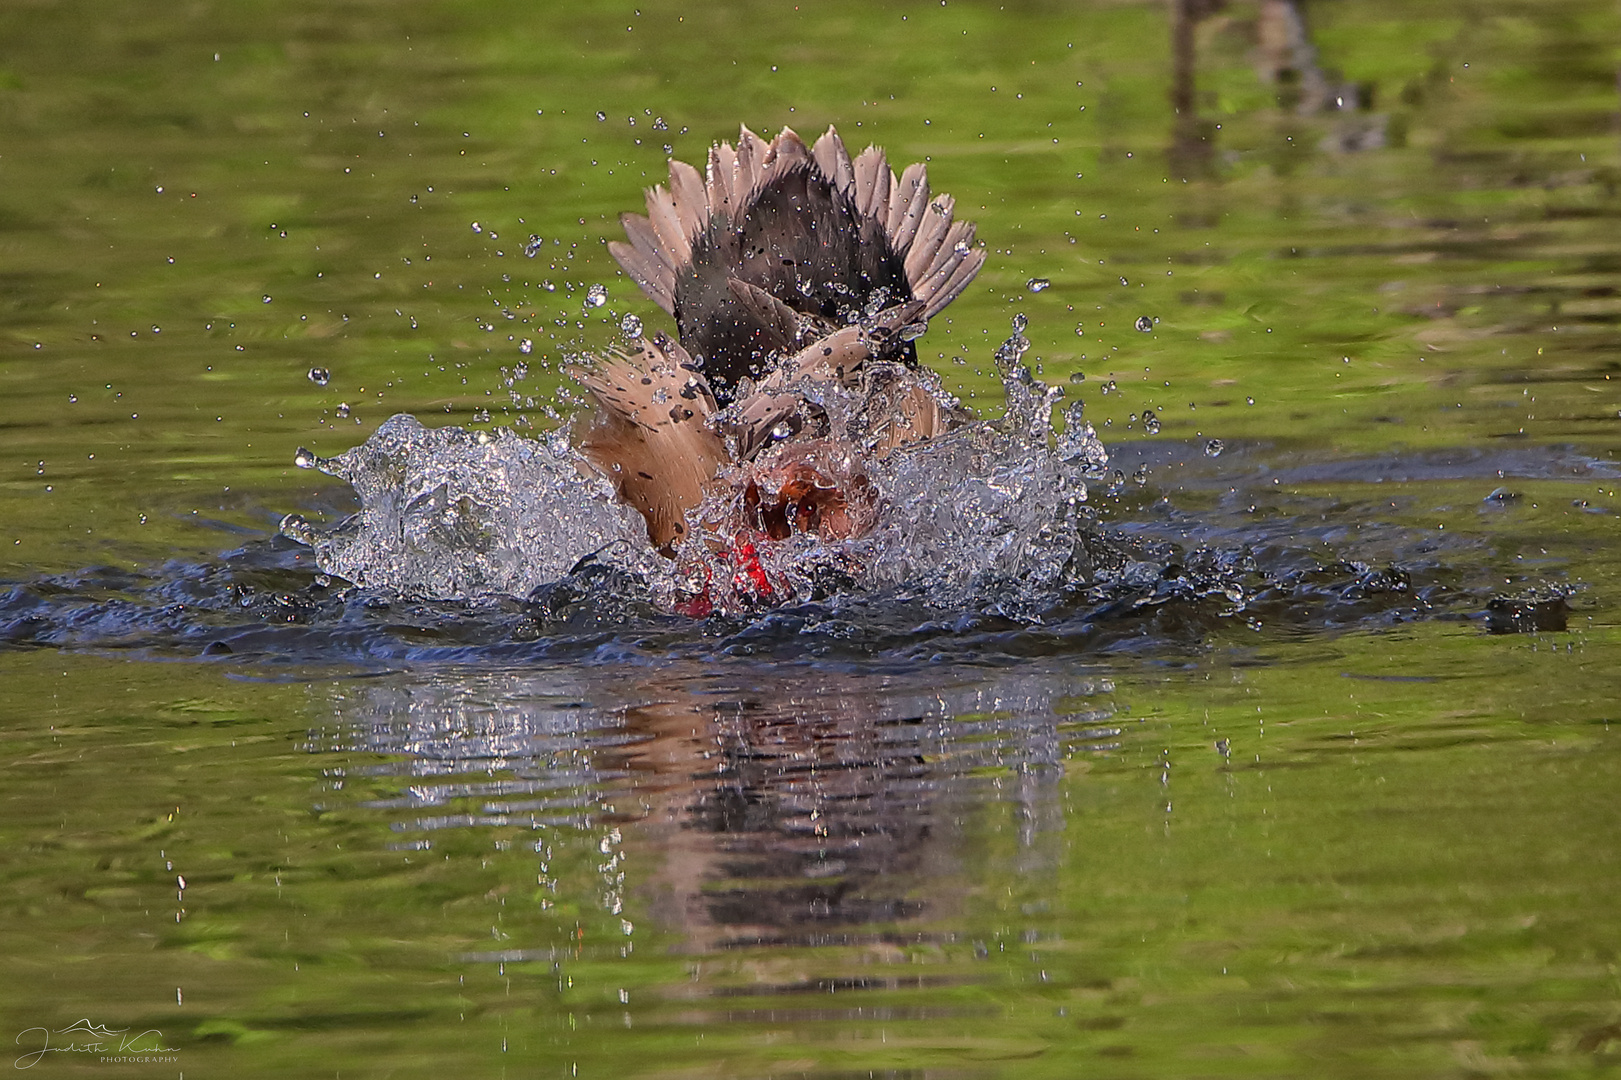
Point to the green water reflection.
(1389, 865)
(1390, 849)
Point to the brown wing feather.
(779, 321)
(666, 223)
(937, 296)
(834, 160)
(721, 173)
(872, 184)
(906, 205)
(649, 434)
(646, 261)
(691, 200)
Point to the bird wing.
(649, 435)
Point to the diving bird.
(786, 267)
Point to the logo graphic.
(109, 1045)
(95, 1031)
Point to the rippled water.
(1306, 768)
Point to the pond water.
(1316, 777)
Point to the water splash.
(449, 514)
(993, 513)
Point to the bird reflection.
(752, 813)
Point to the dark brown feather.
(819, 234)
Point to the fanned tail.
(811, 228)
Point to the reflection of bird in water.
(799, 279)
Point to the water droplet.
(1011, 351)
(1144, 323)
(596, 295)
(526, 346)
(304, 458)
(631, 326)
(320, 376)
(601, 115)
(157, 329)
(267, 298)
(1038, 284)
(1214, 447)
(1077, 376)
(477, 227)
(1249, 401)
(912, 331)
(1140, 477)
(1020, 322)
(342, 410)
(782, 430)
(533, 246)
(961, 248)
(1150, 422)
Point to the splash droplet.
(342, 410)
(1144, 323)
(533, 246)
(304, 458)
(1038, 284)
(1214, 447)
(320, 376)
(596, 295)
(526, 346)
(631, 326)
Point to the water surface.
(1320, 783)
